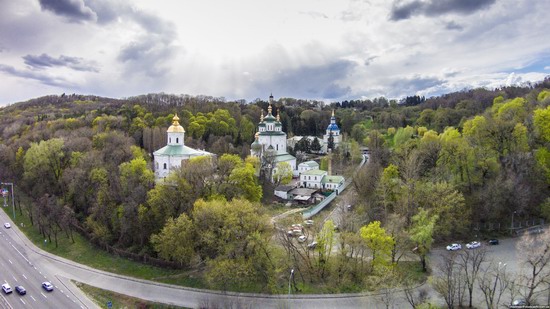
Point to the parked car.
(302, 238)
(21, 290)
(308, 222)
(312, 245)
(6, 288)
(47, 286)
(7, 225)
(473, 245)
(493, 241)
(454, 247)
(519, 302)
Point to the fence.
(313, 210)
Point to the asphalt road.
(17, 269)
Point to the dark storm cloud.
(45, 61)
(313, 81)
(42, 78)
(406, 10)
(453, 26)
(74, 10)
(410, 86)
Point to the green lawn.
(102, 298)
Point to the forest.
(439, 169)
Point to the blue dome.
(333, 127)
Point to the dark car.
(47, 286)
(21, 290)
(493, 241)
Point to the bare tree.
(493, 283)
(470, 263)
(448, 284)
(536, 264)
(413, 294)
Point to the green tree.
(283, 173)
(421, 233)
(175, 242)
(43, 167)
(379, 242)
(315, 145)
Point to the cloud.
(42, 78)
(74, 10)
(453, 26)
(414, 84)
(406, 10)
(44, 61)
(321, 81)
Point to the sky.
(247, 49)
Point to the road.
(18, 269)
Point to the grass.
(102, 297)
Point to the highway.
(17, 269)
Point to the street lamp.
(289, 278)
(12, 200)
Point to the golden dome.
(175, 127)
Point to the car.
(349, 207)
(7, 225)
(6, 288)
(21, 290)
(47, 286)
(454, 247)
(312, 245)
(302, 238)
(519, 302)
(493, 241)
(297, 226)
(308, 222)
(473, 245)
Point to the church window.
(170, 139)
(277, 147)
(177, 140)
(164, 165)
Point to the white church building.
(170, 157)
(334, 130)
(271, 140)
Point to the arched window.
(164, 165)
(170, 140)
(177, 140)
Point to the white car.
(308, 222)
(473, 245)
(6, 288)
(454, 247)
(7, 225)
(302, 238)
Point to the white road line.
(20, 254)
(14, 278)
(21, 299)
(10, 261)
(24, 276)
(33, 298)
(43, 295)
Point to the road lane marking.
(10, 261)
(21, 254)
(14, 278)
(21, 299)
(25, 277)
(33, 298)
(43, 295)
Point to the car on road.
(312, 245)
(473, 245)
(20, 290)
(493, 241)
(6, 288)
(308, 222)
(519, 303)
(302, 238)
(47, 286)
(454, 247)
(7, 225)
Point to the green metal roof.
(284, 157)
(179, 150)
(332, 179)
(272, 133)
(310, 163)
(314, 173)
